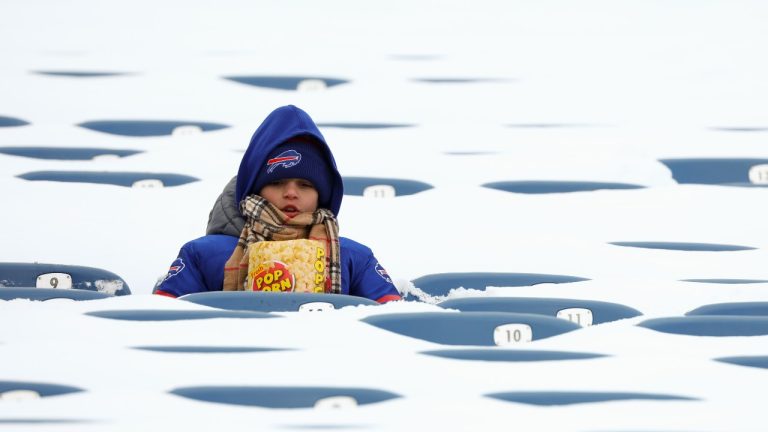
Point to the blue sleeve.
(370, 280)
(199, 266)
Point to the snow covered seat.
(358, 125)
(22, 390)
(66, 153)
(146, 128)
(207, 349)
(127, 179)
(510, 355)
(682, 246)
(472, 328)
(287, 397)
(582, 312)
(175, 314)
(300, 83)
(459, 80)
(727, 281)
(61, 277)
(551, 186)
(264, 301)
(733, 309)
(11, 122)
(80, 73)
(719, 171)
(372, 187)
(751, 361)
(714, 325)
(44, 294)
(550, 398)
(440, 284)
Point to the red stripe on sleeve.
(163, 293)
(389, 298)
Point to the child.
(287, 188)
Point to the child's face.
(291, 196)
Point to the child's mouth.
(290, 210)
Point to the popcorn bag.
(289, 265)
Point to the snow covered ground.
(488, 91)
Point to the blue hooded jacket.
(200, 264)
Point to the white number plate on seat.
(316, 307)
(512, 334)
(54, 280)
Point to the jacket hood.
(281, 125)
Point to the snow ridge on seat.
(714, 325)
(551, 186)
(174, 314)
(582, 312)
(472, 328)
(383, 187)
(147, 128)
(66, 153)
(732, 309)
(263, 301)
(61, 277)
(550, 398)
(510, 355)
(440, 284)
(126, 179)
(286, 397)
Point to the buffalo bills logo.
(176, 267)
(285, 159)
(383, 273)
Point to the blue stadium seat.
(678, 246)
(61, 277)
(200, 349)
(263, 301)
(582, 312)
(510, 355)
(391, 187)
(710, 325)
(727, 281)
(127, 179)
(349, 125)
(733, 309)
(472, 328)
(545, 186)
(145, 128)
(750, 361)
(548, 125)
(43, 294)
(175, 315)
(440, 284)
(80, 74)
(551, 398)
(728, 172)
(284, 82)
(65, 153)
(286, 397)
(41, 389)
(11, 122)
(740, 129)
(437, 80)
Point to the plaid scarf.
(265, 222)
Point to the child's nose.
(291, 189)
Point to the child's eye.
(307, 184)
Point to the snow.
(621, 85)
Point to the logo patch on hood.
(286, 159)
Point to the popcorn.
(289, 265)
